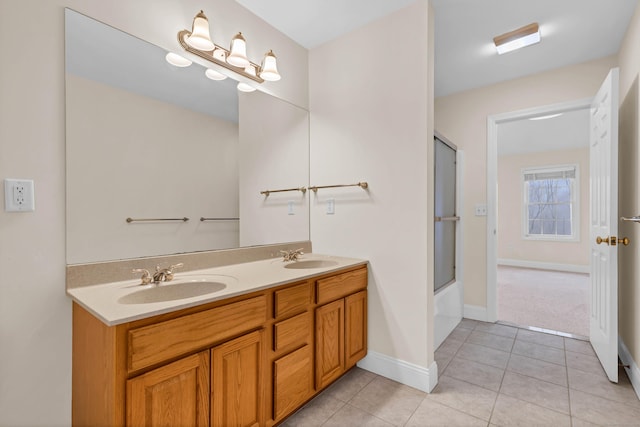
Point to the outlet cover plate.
(19, 195)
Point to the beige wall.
(511, 243)
(628, 179)
(134, 156)
(35, 314)
(379, 130)
(462, 118)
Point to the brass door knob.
(613, 240)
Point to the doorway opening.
(540, 260)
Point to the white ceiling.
(313, 22)
(565, 132)
(573, 31)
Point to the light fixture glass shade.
(269, 68)
(177, 60)
(238, 52)
(214, 75)
(516, 39)
(200, 38)
(244, 87)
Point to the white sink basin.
(311, 263)
(172, 291)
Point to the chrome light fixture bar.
(516, 39)
(198, 42)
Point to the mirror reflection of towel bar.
(185, 219)
(219, 219)
(446, 218)
(267, 192)
(632, 219)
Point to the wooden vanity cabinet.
(292, 356)
(237, 382)
(246, 361)
(341, 324)
(173, 395)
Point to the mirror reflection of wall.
(148, 140)
(273, 156)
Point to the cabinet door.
(292, 381)
(174, 395)
(355, 340)
(236, 382)
(329, 342)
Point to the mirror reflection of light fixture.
(177, 60)
(246, 87)
(214, 75)
(516, 39)
(198, 41)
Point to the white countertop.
(105, 301)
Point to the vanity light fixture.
(198, 41)
(516, 39)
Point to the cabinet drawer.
(341, 285)
(292, 381)
(292, 300)
(291, 332)
(162, 341)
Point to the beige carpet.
(546, 299)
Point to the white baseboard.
(632, 371)
(570, 268)
(415, 376)
(475, 312)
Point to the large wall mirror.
(150, 141)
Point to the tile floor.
(490, 375)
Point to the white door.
(603, 324)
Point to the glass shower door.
(445, 214)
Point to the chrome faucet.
(161, 275)
(165, 274)
(291, 255)
(146, 276)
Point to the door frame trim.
(492, 178)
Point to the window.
(551, 203)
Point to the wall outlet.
(18, 195)
(481, 210)
(331, 206)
